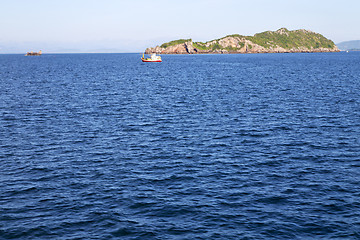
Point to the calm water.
(102, 146)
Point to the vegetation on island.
(291, 39)
(175, 42)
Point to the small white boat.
(152, 58)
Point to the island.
(280, 41)
(33, 53)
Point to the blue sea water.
(103, 146)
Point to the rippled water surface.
(103, 146)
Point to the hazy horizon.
(119, 26)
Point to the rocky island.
(280, 41)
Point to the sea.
(232, 146)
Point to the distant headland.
(349, 45)
(280, 41)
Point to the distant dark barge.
(33, 53)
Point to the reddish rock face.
(183, 48)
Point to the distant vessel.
(33, 53)
(153, 58)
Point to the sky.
(133, 25)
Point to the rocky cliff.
(280, 41)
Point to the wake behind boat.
(152, 58)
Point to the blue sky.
(133, 25)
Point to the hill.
(279, 41)
(349, 45)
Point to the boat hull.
(149, 60)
